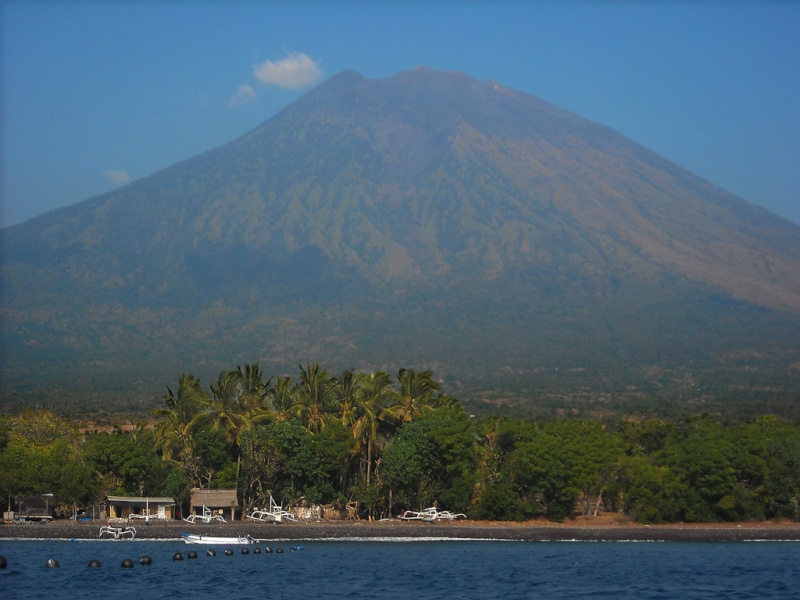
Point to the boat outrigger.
(117, 533)
(193, 538)
(206, 518)
(430, 515)
(275, 514)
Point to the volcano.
(533, 260)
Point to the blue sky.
(97, 94)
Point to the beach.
(613, 528)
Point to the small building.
(220, 502)
(39, 507)
(127, 507)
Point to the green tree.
(332, 447)
(781, 485)
(405, 468)
(43, 454)
(56, 468)
(783, 479)
(178, 486)
(699, 452)
(253, 387)
(229, 412)
(6, 422)
(567, 460)
(42, 429)
(596, 454)
(174, 426)
(432, 461)
(416, 393)
(369, 414)
(345, 396)
(542, 469)
(279, 401)
(280, 459)
(495, 496)
(499, 502)
(314, 397)
(213, 463)
(645, 438)
(123, 465)
(654, 494)
(227, 409)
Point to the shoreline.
(585, 529)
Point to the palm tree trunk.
(369, 460)
(236, 487)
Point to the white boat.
(193, 538)
(206, 518)
(430, 515)
(443, 515)
(275, 514)
(412, 515)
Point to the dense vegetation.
(384, 445)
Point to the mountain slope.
(426, 218)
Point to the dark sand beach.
(580, 529)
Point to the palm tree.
(253, 386)
(227, 408)
(417, 393)
(445, 401)
(371, 412)
(314, 396)
(345, 395)
(278, 402)
(174, 431)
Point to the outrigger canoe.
(193, 538)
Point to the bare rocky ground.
(582, 529)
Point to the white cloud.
(244, 95)
(295, 71)
(118, 177)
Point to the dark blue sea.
(405, 569)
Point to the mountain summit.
(426, 219)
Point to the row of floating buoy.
(146, 560)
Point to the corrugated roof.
(139, 500)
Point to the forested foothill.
(383, 444)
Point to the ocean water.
(405, 569)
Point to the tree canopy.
(383, 445)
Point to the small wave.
(395, 539)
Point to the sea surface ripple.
(411, 569)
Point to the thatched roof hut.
(221, 502)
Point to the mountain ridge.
(366, 197)
(461, 143)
